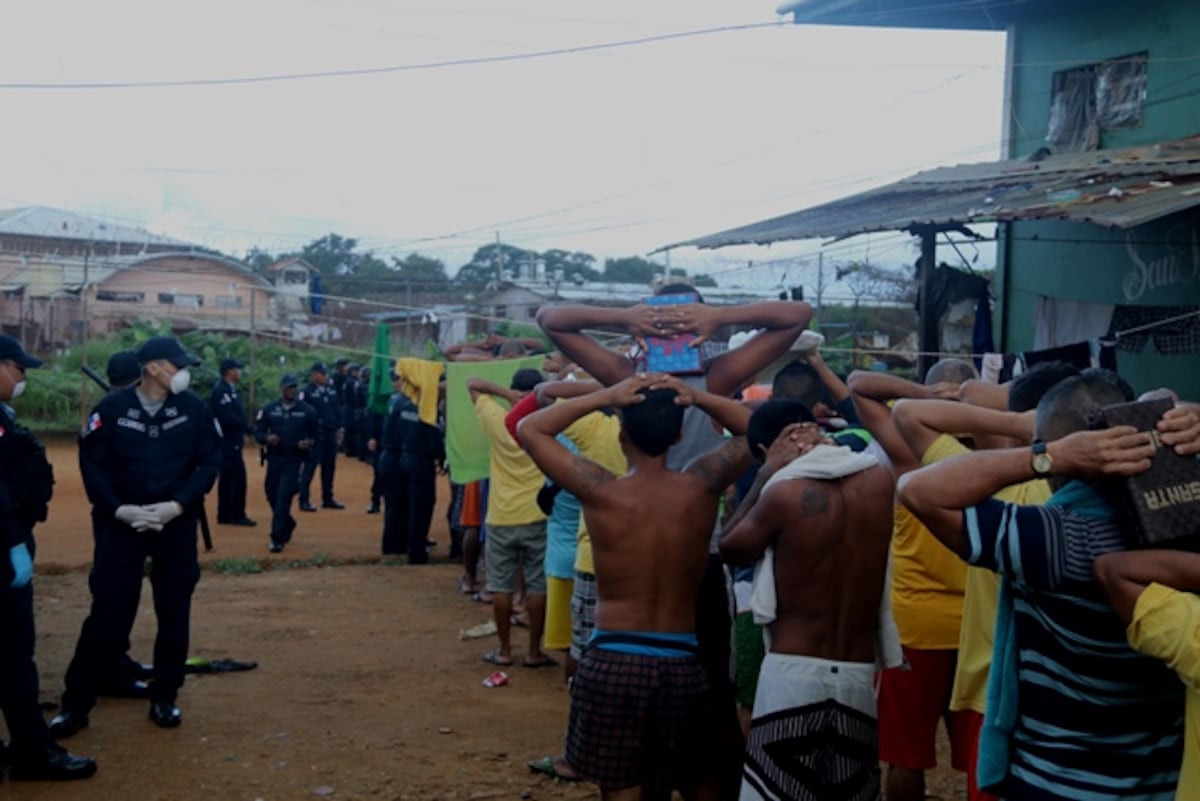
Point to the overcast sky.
(615, 151)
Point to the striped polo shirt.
(1095, 719)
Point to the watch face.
(1041, 463)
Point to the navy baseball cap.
(342, 360)
(11, 350)
(168, 348)
(319, 367)
(289, 380)
(123, 368)
(230, 364)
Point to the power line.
(396, 68)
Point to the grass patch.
(236, 566)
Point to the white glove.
(138, 518)
(163, 512)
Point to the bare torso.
(830, 561)
(650, 532)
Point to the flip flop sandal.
(545, 767)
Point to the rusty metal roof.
(1113, 188)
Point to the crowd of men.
(752, 599)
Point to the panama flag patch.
(94, 421)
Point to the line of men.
(1074, 713)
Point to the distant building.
(56, 266)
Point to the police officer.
(231, 414)
(288, 428)
(32, 752)
(322, 396)
(411, 453)
(128, 677)
(368, 426)
(148, 454)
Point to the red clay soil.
(364, 689)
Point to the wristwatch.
(1041, 458)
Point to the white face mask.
(180, 381)
(18, 389)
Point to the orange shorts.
(910, 704)
(472, 506)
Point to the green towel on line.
(467, 448)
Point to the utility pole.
(253, 343)
(83, 311)
(408, 317)
(820, 283)
(499, 261)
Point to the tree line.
(347, 270)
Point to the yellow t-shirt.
(979, 602)
(597, 435)
(1166, 626)
(928, 581)
(515, 479)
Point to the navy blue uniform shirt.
(405, 432)
(292, 425)
(230, 413)
(325, 400)
(128, 456)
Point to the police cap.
(289, 380)
(230, 364)
(168, 348)
(11, 350)
(123, 368)
(341, 362)
(319, 367)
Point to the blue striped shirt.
(1096, 720)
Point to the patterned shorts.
(583, 613)
(641, 720)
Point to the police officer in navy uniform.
(231, 414)
(411, 453)
(321, 394)
(148, 454)
(32, 753)
(288, 428)
(128, 678)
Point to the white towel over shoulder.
(825, 462)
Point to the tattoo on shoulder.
(719, 468)
(586, 474)
(815, 499)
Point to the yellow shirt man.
(1166, 626)
(515, 479)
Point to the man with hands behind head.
(148, 455)
(641, 714)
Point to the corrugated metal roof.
(947, 14)
(58, 224)
(1114, 188)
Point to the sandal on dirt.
(493, 658)
(545, 661)
(545, 766)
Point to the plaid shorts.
(641, 720)
(583, 613)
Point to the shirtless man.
(813, 733)
(641, 717)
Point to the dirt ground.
(364, 689)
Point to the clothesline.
(1139, 328)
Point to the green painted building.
(1081, 77)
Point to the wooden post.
(928, 338)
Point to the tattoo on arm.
(719, 468)
(586, 477)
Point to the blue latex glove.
(22, 564)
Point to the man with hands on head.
(1090, 716)
(781, 323)
(928, 584)
(148, 455)
(641, 714)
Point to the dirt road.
(363, 691)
